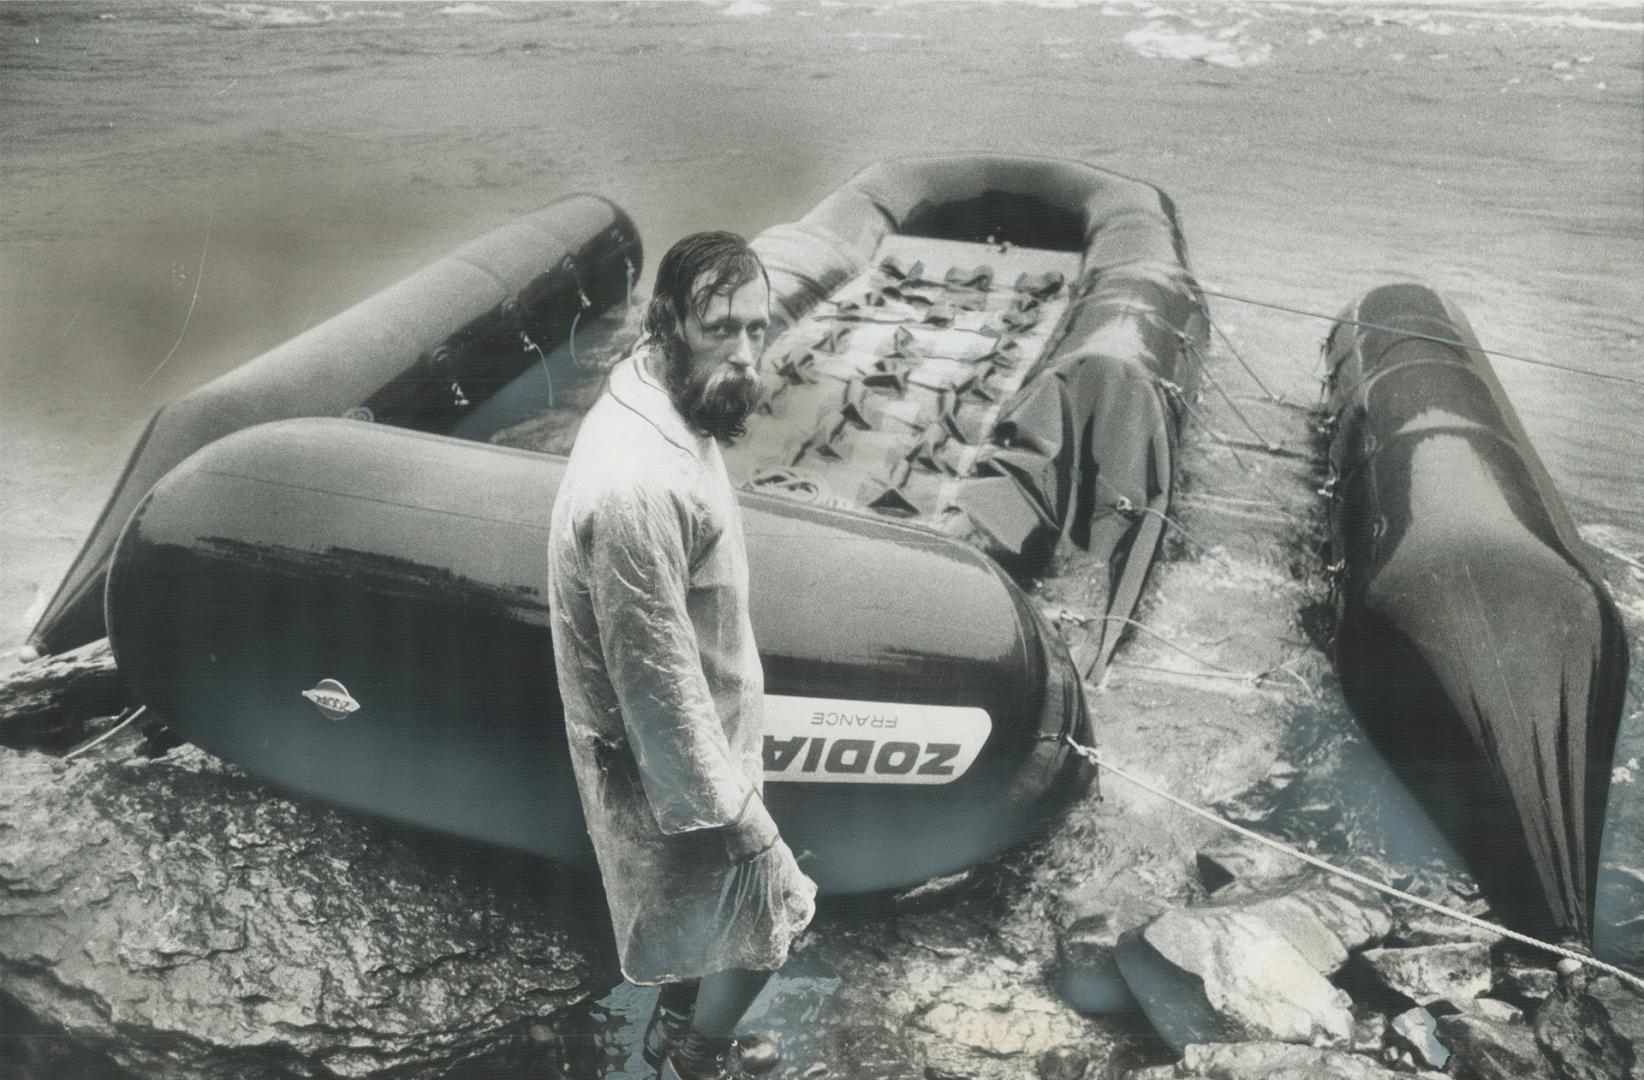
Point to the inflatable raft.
(1474, 638)
(359, 614)
(982, 356)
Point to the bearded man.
(662, 687)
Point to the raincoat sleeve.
(639, 562)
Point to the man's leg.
(720, 1004)
(670, 1020)
(724, 997)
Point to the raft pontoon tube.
(1474, 638)
(415, 355)
(994, 347)
(359, 614)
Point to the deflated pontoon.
(1474, 638)
(420, 354)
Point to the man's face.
(718, 384)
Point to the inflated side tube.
(1088, 443)
(418, 354)
(359, 614)
(1474, 638)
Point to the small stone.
(1526, 985)
(1417, 1030)
(1369, 1033)
(1062, 1063)
(1486, 1008)
(1433, 973)
(1567, 967)
(1483, 1049)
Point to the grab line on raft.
(1091, 754)
(1427, 337)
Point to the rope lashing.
(1277, 399)
(583, 305)
(1427, 337)
(1094, 756)
(546, 374)
(1181, 395)
(1204, 366)
(1124, 506)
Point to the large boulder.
(58, 701)
(1593, 1033)
(1431, 974)
(1226, 975)
(1325, 920)
(179, 920)
(1486, 1049)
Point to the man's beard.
(717, 405)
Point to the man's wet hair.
(722, 261)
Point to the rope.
(1181, 395)
(1179, 527)
(1204, 366)
(1150, 632)
(199, 274)
(546, 374)
(1428, 337)
(1277, 399)
(105, 736)
(1091, 754)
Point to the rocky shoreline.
(165, 915)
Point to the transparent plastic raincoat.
(663, 693)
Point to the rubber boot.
(700, 1058)
(666, 1030)
(756, 1054)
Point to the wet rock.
(54, 703)
(1417, 1031)
(1369, 1034)
(1485, 1049)
(185, 922)
(1062, 1063)
(1434, 930)
(1592, 1035)
(997, 1022)
(1232, 863)
(1524, 985)
(1486, 1008)
(1221, 974)
(934, 892)
(1281, 1061)
(1325, 921)
(1087, 975)
(1432, 973)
